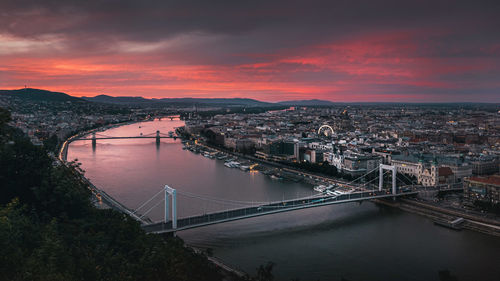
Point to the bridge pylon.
(383, 167)
(94, 141)
(157, 137)
(170, 192)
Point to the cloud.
(273, 50)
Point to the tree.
(445, 275)
(4, 116)
(265, 272)
(51, 143)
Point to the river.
(358, 242)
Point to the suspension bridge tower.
(94, 141)
(157, 137)
(170, 192)
(383, 167)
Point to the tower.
(157, 137)
(420, 168)
(393, 169)
(94, 141)
(434, 171)
(170, 192)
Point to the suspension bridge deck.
(267, 209)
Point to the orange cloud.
(375, 67)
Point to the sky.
(344, 51)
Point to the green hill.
(40, 95)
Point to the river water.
(352, 241)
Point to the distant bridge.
(96, 136)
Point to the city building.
(483, 189)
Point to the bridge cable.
(385, 172)
(276, 204)
(161, 201)
(361, 176)
(149, 200)
(237, 202)
(251, 203)
(412, 181)
(214, 199)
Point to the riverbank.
(308, 177)
(230, 271)
(440, 214)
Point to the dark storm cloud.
(156, 20)
(247, 26)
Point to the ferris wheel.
(325, 130)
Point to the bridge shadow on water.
(258, 228)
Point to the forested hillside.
(50, 231)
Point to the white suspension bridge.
(238, 210)
(246, 209)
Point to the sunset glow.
(274, 55)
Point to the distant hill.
(217, 101)
(43, 95)
(180, 101)
(313, 102)
(39, 95)
(118, 100)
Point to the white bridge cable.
(322, 197)
(412, 181)
(257, 203)
(214, 199)
(154, 206)
(376, 178)
(149, 200)
(249, 203)
(238, 202)
(265, 205)
(374, 169)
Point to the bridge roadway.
(272, 208)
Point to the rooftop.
(494, 180)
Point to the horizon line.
(271, 102)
